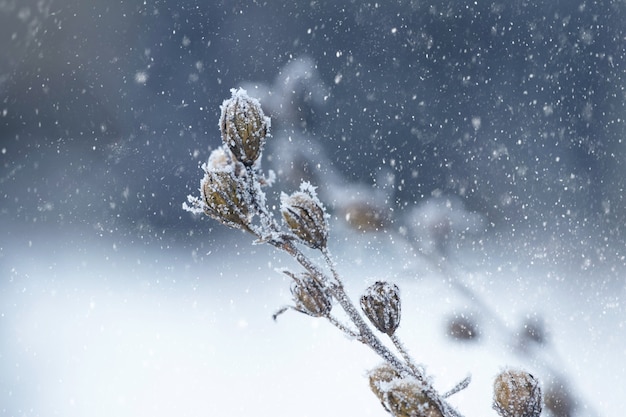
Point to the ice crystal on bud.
(379, 379)
(517, 394)
(402, 397)
(223, 195)
(219, 160)
(244, 126)
(231, 192)
(381, 305)
(406, 398)
(310, 297)
(305, 216)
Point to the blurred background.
(517, 108)
(506, 118)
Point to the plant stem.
(365, 335)
(347, 331)
(418, 371)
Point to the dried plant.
(517, 393)
(231, 192)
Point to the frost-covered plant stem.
(417, 370)
(365, 334)
(231, 192)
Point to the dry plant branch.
(232, 193)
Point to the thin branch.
(347, 331)
(331, 265)
(366, 335)
(418, 370)
(458, 387)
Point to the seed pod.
(305, 216)
(243, 126)
(379, 379)
(381, 305)
(406, 398)
(310, 297)
(402, 397)
(222, 194)
(517, 394)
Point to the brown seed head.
(517, 394)
(405, 398)
(244, 127)
(305, 216)
(379, 379)
(310, 297)
(222, 194)
(381, 305)
(402, 397)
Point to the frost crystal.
(310, 297)
(517, 394)
(219, 160)
(244, 127)
(402, 397)
(305, 215)
(226, 198)
(381, 305)
(231, 192)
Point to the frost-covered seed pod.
(408, 400)
(402, 397)
(517, 394)
(310, 297)
(379, 379)
(305, 216)
(222, 195)
(243, 126)
(381, 305)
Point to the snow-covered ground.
(96, 325)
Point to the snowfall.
(94, 325)
(503, 122)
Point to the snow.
(121, 328)
(480, 146)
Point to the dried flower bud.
(243, 126)
(402, 397)
(407, 399)
(379, 379)
(305, 216)
(310, 297)
(222, 194)
(517, 394)
(381, 305)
